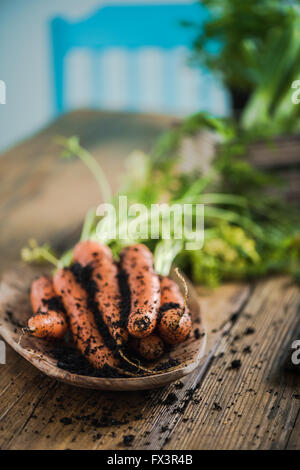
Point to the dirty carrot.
(48, 320)
(105, 277)
(175, 321)
(151, 347)
(82, 323)
(137, 263)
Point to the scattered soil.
(128, 440)
(170, 400)
(164, 429)
(197, 333)
(66, 421)
(216, 406)
(236, 364)
(179, 385)
(249, 331)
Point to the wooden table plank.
(253, 407)
(294, 438)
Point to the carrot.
(49, 320)
(105, 277)
(82, 323)
(175, 321)
(151, 347)
(137, 263)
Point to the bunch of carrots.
(157, 313)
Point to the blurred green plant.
(254, 46)
(35, 253)
(248, 231)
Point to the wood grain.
(258, 408)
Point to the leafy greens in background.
(248, 231)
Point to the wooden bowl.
(15, 310)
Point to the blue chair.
(129, 27)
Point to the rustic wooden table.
(254, 406)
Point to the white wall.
(25, 63)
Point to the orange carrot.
(175, 321)
(105, 277)
(151, 347)
(137, 263)
(49, 320)
(82, 323)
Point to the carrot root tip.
(24, 331)
(138, 366)
(186, 290)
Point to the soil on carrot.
(166, 306)
(70, 359)
(83, 275)
(125, 296)
(54, 303)
(143, 323)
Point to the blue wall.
(25, 66)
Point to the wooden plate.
(15, 310)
